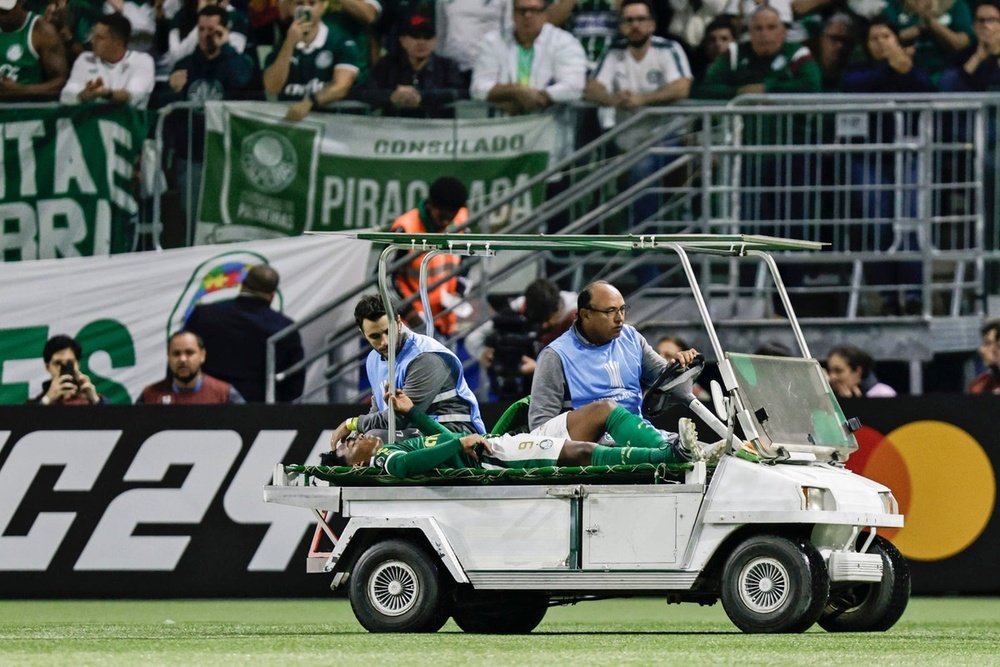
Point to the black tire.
(500, 612)
(774, 584)
(396, 587)
(871, 607)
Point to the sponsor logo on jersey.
(14, 52)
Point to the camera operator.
(507, 344)
(68, 386)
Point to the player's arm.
(436, 451)
(404, 406)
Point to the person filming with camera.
(67, 386)
(507, 344)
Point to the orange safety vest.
(407, 278)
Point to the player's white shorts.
(554, 428)
(522, 450)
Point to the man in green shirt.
(638, 442)
(32, 58)
(316, 65)
(766, 64)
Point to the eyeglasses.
(611, 312)
(986, 20)
(629, 20)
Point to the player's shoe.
(711, 453)
(687, 440)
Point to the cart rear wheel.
(774, 584)
(396, 587)
(500, 612)
(871, 607)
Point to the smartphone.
(67, 368)
(302, 13)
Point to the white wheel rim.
(393, 588)
(764, 585)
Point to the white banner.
(122, 308)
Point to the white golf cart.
(785, 541)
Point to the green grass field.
(933, 631)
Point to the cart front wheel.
(396, 587)
(774, 584)
(871, 607)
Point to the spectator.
(111, 71)
(521, 329)
(412, 80)
(533, 67)
(718, 35)
(768, 64)
(236, 332)
(215, 70)
(186, 383)
(851, 373)
(67, 385)
(429, 373)
(833, 49)
(316, 64)
(594, 23)
(641, 70)
(184, 37)
(978, 68)
(461, 25)
(32, 57)
(890, 69)
(599, 358)
(988, 382)
(937, 35)
(443, 210)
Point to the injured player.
(637, 441)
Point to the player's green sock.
(612, 456)
(629, 430)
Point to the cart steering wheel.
(674, 386)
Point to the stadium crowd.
(409, 57)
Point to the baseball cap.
(7, 5)
(417, 25)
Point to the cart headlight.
(889, 504)
(815, 499)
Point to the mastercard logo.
(942, 479)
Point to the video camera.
(513, 337)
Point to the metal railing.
(896, 187)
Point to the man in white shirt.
(639, 70)
(531, 68)
(111, 71)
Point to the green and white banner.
(67, 188)
(265, 177)
(122, 308)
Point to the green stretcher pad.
(642, 473)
